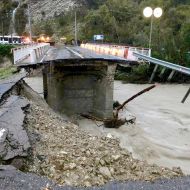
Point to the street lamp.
(149, 12)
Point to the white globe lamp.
(148, 12)
(158, 12)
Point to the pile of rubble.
(70, 156)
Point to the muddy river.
(161, 134)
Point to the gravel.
(70, 156)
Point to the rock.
(177, 170)
(156, 172)
(116, 157)
(133, 167)
(72, 166)
(18, 163)
(97, 161)
(105, 172)
(87, 184)
(63, 152)
(88, 153)
(112, 171)
(102, 162)
(109, 135)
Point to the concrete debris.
(70, 156)
(105, 172)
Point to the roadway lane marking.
(74, 52)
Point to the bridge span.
(77, 80)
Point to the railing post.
(162, 72)
(153, 74)
(171, 75)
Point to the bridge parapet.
(117, 50)
(30, 52)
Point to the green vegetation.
(138, 74)
(6, 72)
(6, 68)
(5, 51)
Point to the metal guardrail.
(172, 66)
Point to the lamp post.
(149, 12)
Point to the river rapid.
(161, 134)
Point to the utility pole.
(29, 20)
(76, 43)
(2, 25)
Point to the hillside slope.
(43, 9)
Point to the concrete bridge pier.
(80, 86)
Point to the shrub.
(5, 51)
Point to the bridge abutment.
(76, 87)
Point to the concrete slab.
(7, 84)
(11, 120)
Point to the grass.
(6, 72)
(138, 74)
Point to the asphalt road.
(10, 179)
(76, 52)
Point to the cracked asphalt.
(11, 179)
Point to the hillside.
(43, 9)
